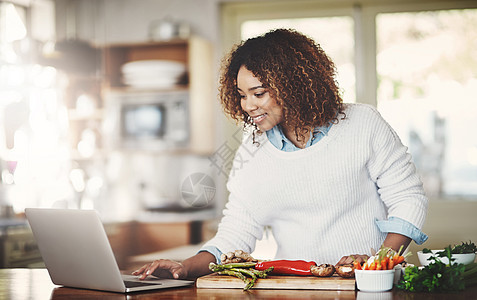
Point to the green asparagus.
(244, 271)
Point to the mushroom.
(323, 270)
(345, 271)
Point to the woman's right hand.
(163, 268)
(349, 259)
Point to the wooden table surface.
(16, 284)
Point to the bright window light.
(427, 74)
(14, 27)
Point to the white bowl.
(398, 273)
(373, 280)
(459, 258)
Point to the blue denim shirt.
(392, 224)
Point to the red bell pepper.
(287, 267)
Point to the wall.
(448, 223)
(112, 21)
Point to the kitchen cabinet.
(150, 237)
(90, 115)
(18, 248)
(120, 238)
(130, 239)
(87, 94)
(196, 54)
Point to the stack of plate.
(152, 73)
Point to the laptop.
(76, 251)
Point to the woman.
(330, 179)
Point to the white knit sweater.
(322, 201)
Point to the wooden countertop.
(16, 284)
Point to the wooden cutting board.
(215, 281)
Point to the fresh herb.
(459, 249)
(464, 248)
(438, 276)
(470, 274)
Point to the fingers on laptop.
(161, 268)
(141, 270)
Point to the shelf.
(130, 89)
(165, 43)
(175, 217)
(118, 54)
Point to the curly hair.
(296, 72)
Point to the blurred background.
(112, 105)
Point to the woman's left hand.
(345, 260)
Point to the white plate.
(153, 66)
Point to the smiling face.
(257, 102)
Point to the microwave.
(151, 121)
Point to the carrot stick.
(379, 266)
(384, 263)
(390, 264)
(399, 259)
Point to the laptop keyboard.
(132, 284)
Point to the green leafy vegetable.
(459, 249)
(464, 248)
(438, 276)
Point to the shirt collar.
(280, 141)
(323, 129)
(276, 137)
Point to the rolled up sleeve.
(398, 225)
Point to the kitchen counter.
(18, 248)
(12, 222)
(36, 284)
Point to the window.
(12, 25)
(427, 90)
(33, 154)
